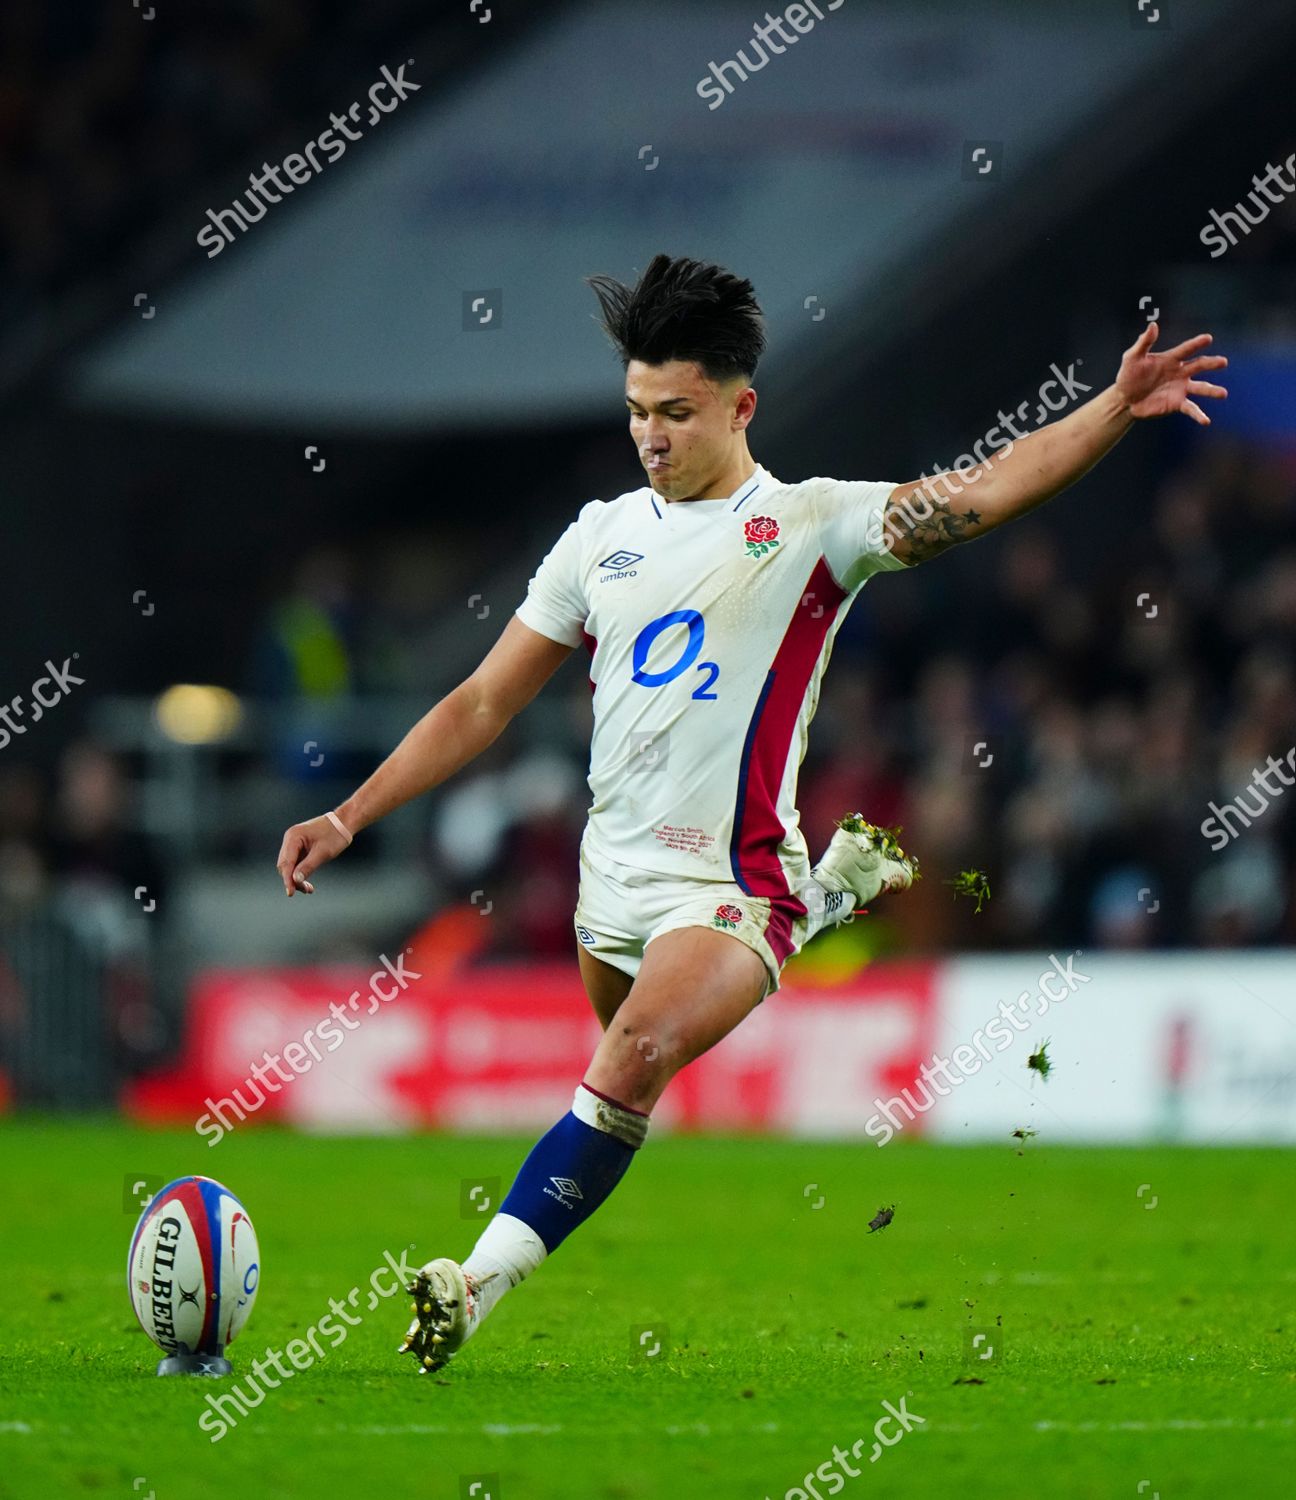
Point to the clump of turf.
(1039, 1060)
(974, 883)
(881, 1219)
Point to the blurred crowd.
(1063, 718)
(111, 114)
(1060, 717)
(103, 114)
(1065, 725)
(81, 958)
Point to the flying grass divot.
(881, 1219)
(974, 884)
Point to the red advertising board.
(502, 1047)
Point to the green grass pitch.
(1143, 1344)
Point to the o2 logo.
(646, 638)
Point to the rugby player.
(708, 600)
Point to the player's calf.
(694, 986)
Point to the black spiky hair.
(683, 309)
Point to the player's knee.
(660, 1047)
(636, 1060)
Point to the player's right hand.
(305, 847)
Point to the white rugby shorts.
(621, 908)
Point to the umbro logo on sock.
(566, 1189)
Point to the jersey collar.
(750, 487)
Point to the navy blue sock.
(572, 1170)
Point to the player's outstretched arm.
(445, 739)
(928, 516)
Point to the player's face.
(686, 428)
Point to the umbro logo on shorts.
(586, 936)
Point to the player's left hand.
(1154, 385)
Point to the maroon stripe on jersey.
(591, 645)
(758, 830)
(784, 910)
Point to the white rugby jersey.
(709, 625)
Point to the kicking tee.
(709, 625)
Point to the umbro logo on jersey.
(621, 564)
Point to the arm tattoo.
(928, 525)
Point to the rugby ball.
(193, 1267)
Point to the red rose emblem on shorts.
(761, 533)
(727, 916)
